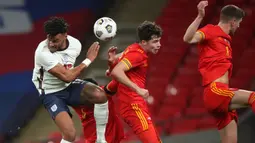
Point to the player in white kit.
(54, 76)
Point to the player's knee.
(229, 139)
(69, 134)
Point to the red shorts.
(217, 98)
(114, 130)
(136, 115)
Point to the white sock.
(101, 116)
(64, 141)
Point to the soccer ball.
(105, 28)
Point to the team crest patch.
(54, 108)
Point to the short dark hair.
(229, 12)
(147, 29)
(55, 25)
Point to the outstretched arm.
(191, 35)
(50, 64)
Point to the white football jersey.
(45, 60)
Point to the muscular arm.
(50, 63)
(67, 75)
(192, 36)
(119, 74)
(118, 55)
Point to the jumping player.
(54, 76)
(130, 72)
(215, 66)
(114, 130)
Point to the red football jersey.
(215, 57)
(136, 59)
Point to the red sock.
(251, 101)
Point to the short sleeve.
(46, 60)
(77, 48)
(112, 86)
(206, 33)
(133, 59)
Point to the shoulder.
(73, 41)
(135, 49)
(42, 52)
(209, 26)
(41, 48)
(74, 44)
(41, 45)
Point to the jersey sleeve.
(78, 49)
(112, 86)
(46, 60)
(133, 59)
(205, 33)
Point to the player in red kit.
(114, 130)
(130, 72)
(215, 66)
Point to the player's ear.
(232, 22)
(143, 42)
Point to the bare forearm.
(192, 29)
(75, 72)
(121, 77)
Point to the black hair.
(147, 29)
(55, 25)
(229, 12)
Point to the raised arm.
(191, 35)
(68, 75)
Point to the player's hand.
(112, 54)
(201, 8)
(143, 92)
(93, 51)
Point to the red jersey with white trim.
(215, 57)
(136, 60)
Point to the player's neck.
(225, 27)
(65, 45)
(143, 47)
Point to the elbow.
(186, 40)
(114, 73)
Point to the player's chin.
(53, 49)
(155, 51)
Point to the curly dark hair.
(55, 25)
(147, 29)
